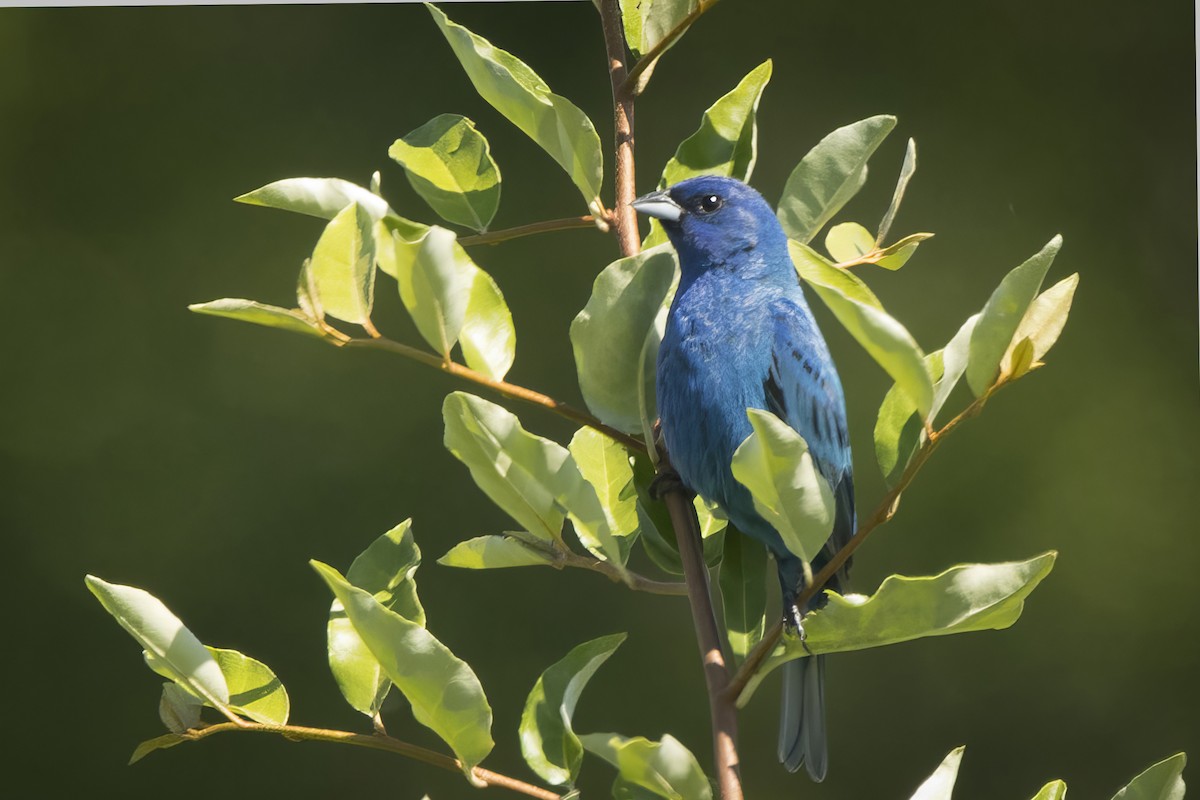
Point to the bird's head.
(711, 220)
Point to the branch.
(565, 224)
(630, 85)
(376, 741)
(723, 711)
(639, 583)
(882, 514)
(509, 390)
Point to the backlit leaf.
(1163, 781)
(316, 197)
(342, 269)
(449, 164)
(940, 785)
(907, 170)
(666, 767)
(261, 314)
(497, 552)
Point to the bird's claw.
(793, 624)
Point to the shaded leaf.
(615, 337)
(895, 413)
(1163, 781)
(548, 742)
(444, 692)
(342, 269)
(450, 166)
(964, 598)
(743, 582)
(940, 785)
(775, 465)
(158, 743)
(666, 767)
(516, 91)
(261, 314)
(496, 552)
(907, 170)
(829, 175)
(178, 708)
(1000, 318)
(316, 197)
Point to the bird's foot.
(666, 482)
(793, 623)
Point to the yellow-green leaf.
(449, 164)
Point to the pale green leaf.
(515, 90)
(743, 583)
(1043, 322)
(848, 241)
(343, 266)
(261, 314)
(1000, 318)
(316, 197)
(497, 552)
(254, 691)
(307, 298)
(897, 254)
(548, 742)
(712, 520)
(895, 439)
(884, 338)
(385, 570)
(940, 785)
(615, 337)
(1055, 790)
(173, 647)
(647, 22)
(815, 269)
(829, 175)
(1163, 781)
(444, 692)
(954, 358)
(727, 141)
(178, 708)
(158, 743)
(605, 465)
(964, 598)
(488, 338)
(449, 164)
(666, 767)
(907, 169)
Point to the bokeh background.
(208, 460)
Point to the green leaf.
(444, 692)
(449, 297)
(1163, 781)
(727, 141)
(954, 359)
(848, 241)
(896, 255)
(818, 270)
(385, 570)
(343, 266)
(178, 708)
(548, 743)
(647, 22)
(895, 440)
(666, 767)
(1055, 790)
(710, 517)
(254, 691)
(316, 197)
(964, 598)
(158, 743)
(774, 464)
(261, 314)
(940, 785)
(175, 649)
(885, 339)
(515, 90)
(449, 164)
(829, 176)
(1000, 318)
(605, 465)
(907, 170)
(615, 337)
(1043, 322)
(496, 552)
(743, 582)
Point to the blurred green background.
(207, 460)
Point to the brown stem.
(565, 224)
(636, 582)
(723, 711)
(630, 85)
(510, 390)
(297, 733)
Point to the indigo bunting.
(740, 335)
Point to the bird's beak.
(659, 205)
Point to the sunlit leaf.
(261, 314)
(1055, 790)
(848, 241)
(316, 197)
(940, 785)
(254, 691)
(548, 742)
(907, 169)
(516, 91)
(449, 164)
(1163, 781)
(743, 582)
(615, 337)
(829, 175)
(488, 338)
(343, 266)
(605, 465)
(497, 552)
(666, 767)
(444, 692)
(897, 254)
(964, 598)
(774, 464)
(816, 269)
(175, 648)
(1000, 318)
(1043, 322)
(894, 444)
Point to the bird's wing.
(803, 389)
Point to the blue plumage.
(740, 335)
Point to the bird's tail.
(802, 717)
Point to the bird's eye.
(708, 204)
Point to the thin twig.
(299, 733)
(565, 224)
(510, 390)
(630, 84)
(633, 580)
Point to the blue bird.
(740, 335)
